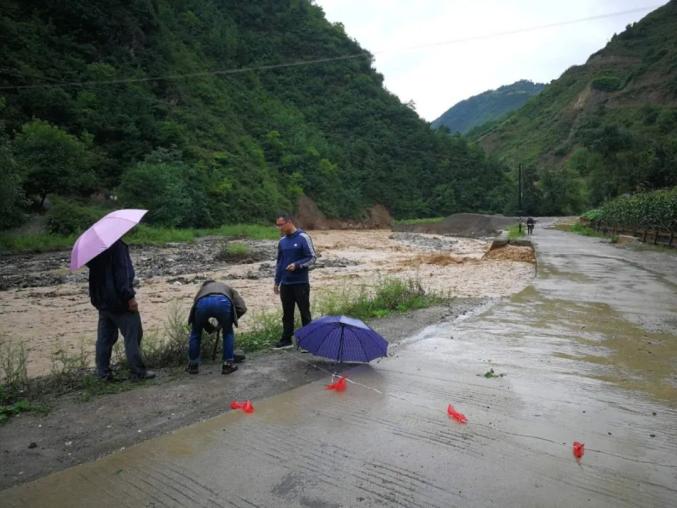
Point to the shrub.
(52, 160)
(657, 209)
(606, 83)
(593, 215)
(162, 189)
(234, 251)
(66, 218)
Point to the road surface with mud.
(587, 353)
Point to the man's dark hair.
(285, 215)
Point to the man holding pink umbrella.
(111, 290)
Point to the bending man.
(221, 302)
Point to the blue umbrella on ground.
(342, 339)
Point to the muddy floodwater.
(47, 308)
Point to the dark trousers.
(129, 324)
(220, 308)
(294, 294)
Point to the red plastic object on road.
(246, 406)
(578, 449)
(339, 386)
(459, 417)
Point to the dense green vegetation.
(82, 116)
(602, 129)
(487, 107)
(650, 210)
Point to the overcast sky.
(439, 76)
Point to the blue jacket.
(111, 278)
(296, 248)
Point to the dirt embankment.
(471, 225)
(309, 216)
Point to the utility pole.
(519, 188)
(519, 194)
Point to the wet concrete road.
(588, 354)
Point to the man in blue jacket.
(111, 291)
(295, 254)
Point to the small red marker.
(339, 386)
(246, 406)
(578, 449)
(459, 417)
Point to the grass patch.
(235, 252)
(514, 231)
(267, 330)
(170, 346)
(430, 220)
(18, 407)
(237, 249)
(140, 235)
(388, 296)
(148, 235)
(41, 242)
(14, 383)
(579, 229)
(250, 231)
(13, 372)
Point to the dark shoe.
(193, 368)
(239, 358)
(149, 374)
(228, 368)
(283, 344)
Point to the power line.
(300, 63)
(524, 29)
(174, 77)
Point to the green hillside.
(82, 115)
(487, 106)
(602, 129)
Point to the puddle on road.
(637, 359)
(549, 271)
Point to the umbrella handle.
(216, 342)
(339, 358)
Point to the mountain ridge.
(602, 129)
(487, 106)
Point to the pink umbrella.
(102, 235)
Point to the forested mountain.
(602, 129)
(487, 106)
(125, 97)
